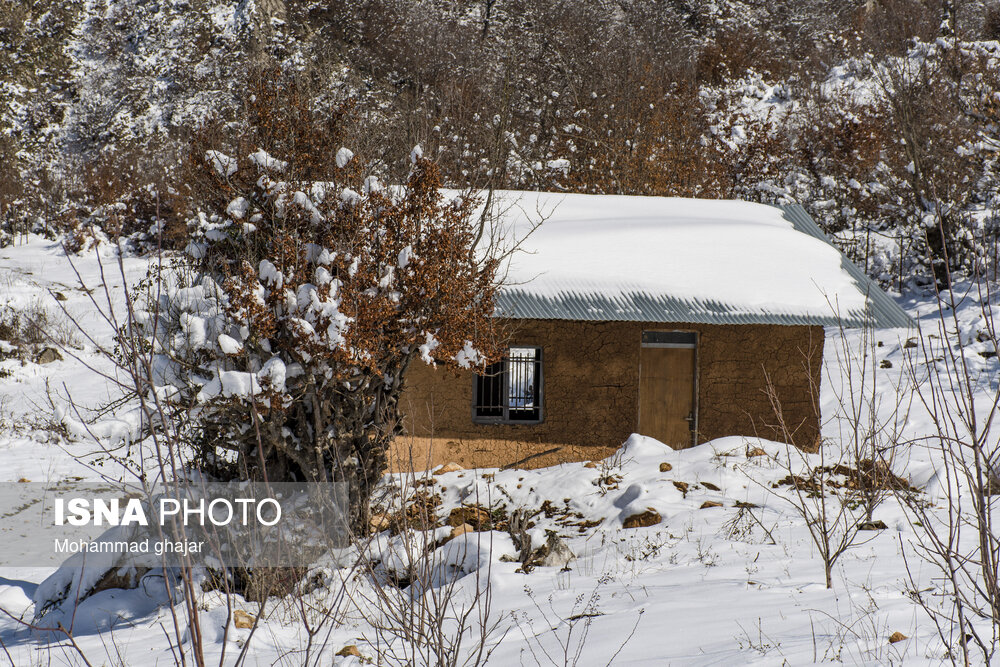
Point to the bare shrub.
(36, 324)
(563, 642)
(833, 522)
(817, 491)
(961, 543)
(870, 419)
(743, 524)
(428, 590)
(131, 360)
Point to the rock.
(643, 520)
(897, 637)
(349, 651)
(477, 517)
(120, 578)
(555, 553)
(682, 487)
(124, 574)
(710, 503)
(666, 467)
(448, 467)
(243, 620)
(590, 464)
(379, 522)
(47, 355)
(872, 525)
(461, 530)
(756, 451)
(7, 351)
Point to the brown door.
(666, 394)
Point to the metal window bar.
(510, 390)
(489, 391)
(523, 376)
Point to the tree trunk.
(938, 252)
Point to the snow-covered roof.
(660, 259)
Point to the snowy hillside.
(702, 556)
(881, 120)
(222, 245)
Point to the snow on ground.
(708, 584)
(37, 279)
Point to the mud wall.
(590, 393)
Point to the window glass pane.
(521, 385)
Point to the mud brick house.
(678, 319)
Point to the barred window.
(511, 389)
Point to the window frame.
(504, 418)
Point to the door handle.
(690, 420)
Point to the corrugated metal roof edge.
(882, 311)
(642, 307)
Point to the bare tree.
(818, 492)
(869, 417)
(429, 596)
(962, 544)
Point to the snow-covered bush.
(885, 123)
(285, 335)
(901, 152)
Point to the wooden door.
(666, 394)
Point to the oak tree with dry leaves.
(308, 289)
